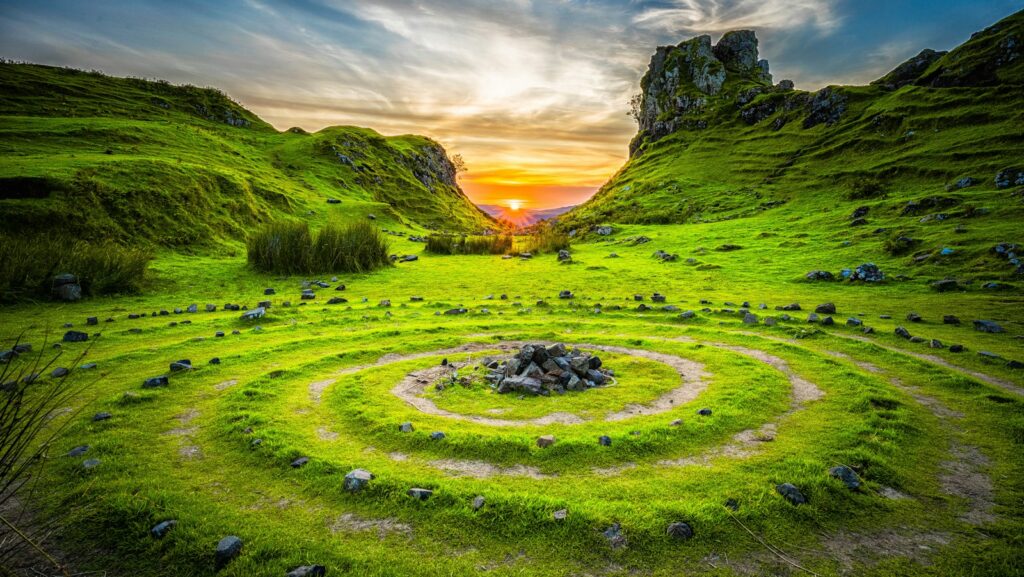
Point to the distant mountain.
(524, 216)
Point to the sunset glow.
(515, 205)
(533, 95)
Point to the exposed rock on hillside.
(683, 80)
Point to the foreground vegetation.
(451, 244)
(188, 452)
(28, 266)
(291, 248)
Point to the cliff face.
(681, 80)
(695, 85)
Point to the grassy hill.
(98, 157)
(938, 129)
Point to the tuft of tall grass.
(28, 265)
(546, 239)
(286, 247)
(31, 421)
(484, 244)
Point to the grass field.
(935, 436)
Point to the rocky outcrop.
(688, 86)
(677, 83)
(909, 71)
(738, 51)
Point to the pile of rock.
(540, 370)
(1011, 252)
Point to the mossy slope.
(746, 146)
(136, 160)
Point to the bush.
(865, 187)
(290, 248)
(28, 265)
(452, 244)
(546, 239)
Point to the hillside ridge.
(139, 160)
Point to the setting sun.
(515, 205)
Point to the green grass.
(28, 265)
(291, 248)
(136, 161)
(451, 244)
(151, 472)
(316, 380)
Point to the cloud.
(532, 93)
(719, 16)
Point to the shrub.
(285, 247)
(28, 265)
(865, 187)
(546, 239)
(31, 421)
(485, 244)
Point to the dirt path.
(411, 388)
(934, 359)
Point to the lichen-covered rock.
(826, 107)
(738, 51)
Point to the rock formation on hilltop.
(680, 80)
(718, 140)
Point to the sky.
(533, 94)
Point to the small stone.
(478, 502)
(680, 531)
(256, 313)
(705, 412)
(935, 344)
(545, 441)
(437, 436)
(101, 416)
(791, 493)
(854, 322)
(420, 494)
(297, 463)
(59, 372)
(90, 463)
(914, 318)
(160, 529)
(826, 309)
(956, 348)
(676, 423)
(560, 514)
(215, 361)
(950, 320)
(846, 475)
(903, 333)
(988, 327)
(182, 365)
(154, 382)
(308, 571)
(75, 337)
(357, 479)
(604, 441)
(614, 536)
(78, 451)
(405, 427)
(227, 549)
